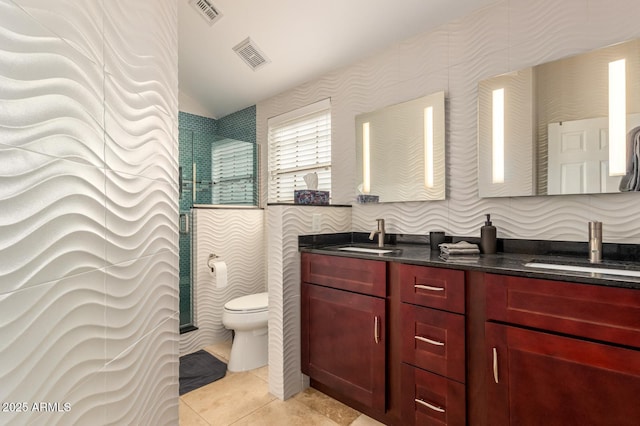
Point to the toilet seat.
(251, 303)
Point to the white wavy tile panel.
(140, 53)
(141, 217)
(284, 224)
(484, 31)
(140, 138)
(51, 340)
(51, 218)
(140, 295)
(141, 383)
(52, 95)
(237, 237)
(64, 218)
(545, 30)
(80, 27)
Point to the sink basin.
(366, 250)
(588, 269)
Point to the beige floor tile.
(221, 350)
(329, 407)
(364, 421)
(262, 372)
(290, 413)
(230, 399)
(188, 417)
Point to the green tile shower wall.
(196, 135)
(240, 125)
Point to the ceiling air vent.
(206, 10)
(251, 54)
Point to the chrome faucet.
(595, 242)
(380, 232)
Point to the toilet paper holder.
(212, 257)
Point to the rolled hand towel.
(460, 258)
(461, 247)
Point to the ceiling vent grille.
(251, 54)
(208, 12)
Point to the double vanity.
(412, 339)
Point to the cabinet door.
(343, 343)
(536, 378)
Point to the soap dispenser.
(488, 240)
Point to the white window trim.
(282, 120)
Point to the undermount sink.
(588, 269)
(366, 250)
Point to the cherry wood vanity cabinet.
(433, 344)
(343, 310)
(560, 353)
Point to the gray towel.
(461, 247)
(631, 181)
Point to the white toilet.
(247, 316)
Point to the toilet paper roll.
(219, 269)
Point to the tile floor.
(243, 399)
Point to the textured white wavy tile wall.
(88, 209)
(506, 36)
(284, 224)
(237, 237)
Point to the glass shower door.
(186, 203)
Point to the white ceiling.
(303, 39)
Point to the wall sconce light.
(366, 159)
(428, 147)
(497, 141)
(617, 118)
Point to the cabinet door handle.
(431, 406)
(376, 329)
(427, 287)
(495, 365)
(432, 342)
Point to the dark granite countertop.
(500, 263)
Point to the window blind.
(299, 143)
(233, 172)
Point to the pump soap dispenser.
(488, 241)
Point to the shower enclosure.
(213, 171)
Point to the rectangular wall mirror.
(569, 126)
(400, 152)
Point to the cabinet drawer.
(429, 399)
(345, 273)
(597, 312)
(434, 340)
(432, 287)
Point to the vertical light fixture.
(617, 118)
(366, 159)
(428, 147)
(497, 141)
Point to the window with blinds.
(299, 143)
(233, 172)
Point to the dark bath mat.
(198, 369)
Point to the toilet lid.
(252, 302)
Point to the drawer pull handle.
(376, 329)
(431, 406)
(432, 342)
(495, 365)
(427, 287)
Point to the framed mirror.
(400, 152)
(570, 126)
